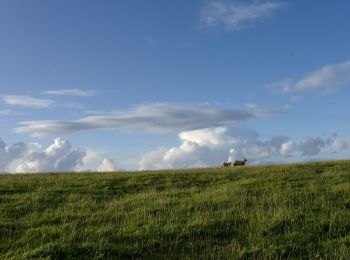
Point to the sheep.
(224, 164)
(239, 162)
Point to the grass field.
(282, 211)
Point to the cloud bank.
(198, 148)
(59, 156)
(236, 16)
(208, 147)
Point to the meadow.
(295, 211)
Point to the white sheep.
(224, 164)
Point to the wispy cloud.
(26, 101)
(71, 92)
(8, 112)
(259, 111)
(327, 78)
(73, 105)
(236, 16)
(161, 118)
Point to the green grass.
(264, 212)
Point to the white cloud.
(198, 148)
(287, 148)
(153, 117)
(58, 157)
(94, 112)
(327, 78)
(91, 160)
(8, 112)
(259, 111)
(71, 92)
(10, 153)
(337, 144)
(236, 16)
(311, 146)
(73, 105)
(210, 146)
(207, 137)
(26, 101)
(152, 160)
(296, 99)
(107, 165)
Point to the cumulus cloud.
(311, 146)
(198, 148)
(327, 78)
(71, 92)
(10, 153)
(208, 147)
(58, 157)
(107, 165)
(337, 144)
(287, 148)
(236, 16)
(26, 101)
(159, 118)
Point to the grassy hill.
(282, 211)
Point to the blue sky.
(169, 84)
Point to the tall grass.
(263, 212)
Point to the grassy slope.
(296, 211)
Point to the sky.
(111, 85)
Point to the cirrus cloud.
(26, 101)
(329, 77)
(71, 92)
(236, 16)
(8, 112)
